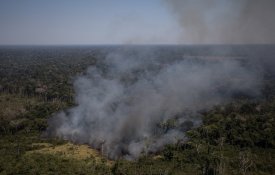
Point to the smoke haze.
(225, 21)
(135, 101)
(126, 102)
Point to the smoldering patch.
(139, 103)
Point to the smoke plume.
(134, 102)
(225, 21)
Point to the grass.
(70, 151)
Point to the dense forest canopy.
(37, 82)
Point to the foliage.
(238, 138)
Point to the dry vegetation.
(70, 151)
(238, 138)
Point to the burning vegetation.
(166, 112)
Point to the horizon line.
(150, 44)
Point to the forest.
(37, 82)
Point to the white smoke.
(126, 102)
(225, 21)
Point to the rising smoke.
(225, 21)
(134, 103)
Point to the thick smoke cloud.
(225, 21)
(133, 102)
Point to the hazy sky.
(46, 22)
(85, 22)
